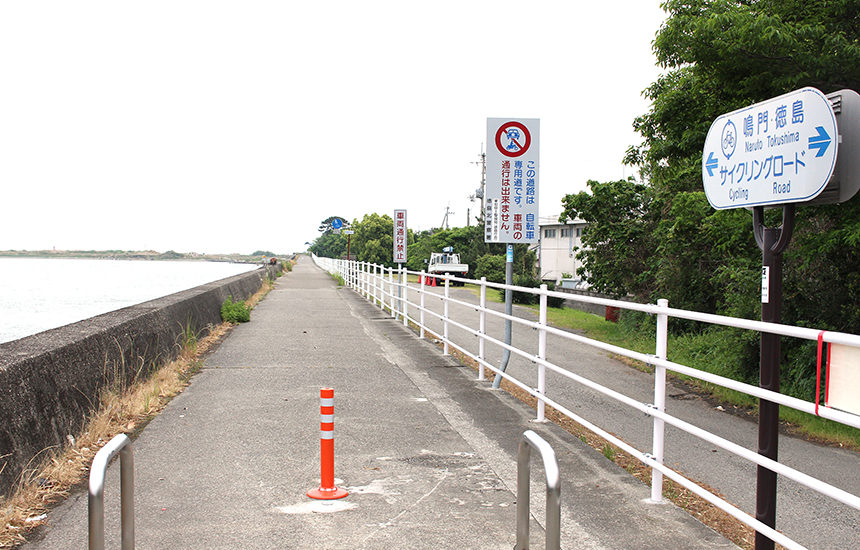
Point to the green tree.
(492, 267)
(329, 245)
(721, 55)
(618, 239)
(373, 240)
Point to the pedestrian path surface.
(427, 453)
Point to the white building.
(559, 243)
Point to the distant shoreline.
(149, 255)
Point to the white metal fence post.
(482, 326)
(445, 317)
(404, 301)
(421, 313)
(386, 288)
(541, 404)
(391, 301)
(659, 400)
(378, 286)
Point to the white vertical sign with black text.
(400, 243)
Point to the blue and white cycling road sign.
(779, 151)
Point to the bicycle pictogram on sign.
(513, 139)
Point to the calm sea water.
(38, 294)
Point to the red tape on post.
(818, 370)
(827, 380)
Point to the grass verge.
(685, 350)
(57, 472)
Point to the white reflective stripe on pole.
(659, 401)
(541, 404)
(445, 318)
(482, 326)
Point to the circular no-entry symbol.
(513, 139)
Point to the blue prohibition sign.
(729, 139)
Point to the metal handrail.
(120, 444)
(553, 491)
(659, 361)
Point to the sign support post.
(509, 310)
(400, 242)
(777, 153)
(772, 242)
(511, 198)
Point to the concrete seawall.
(50, 382)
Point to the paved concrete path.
(427, 453)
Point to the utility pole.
(479, 192)
(445, 219)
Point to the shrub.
(553, 301)
(523, 297)
(492, 267)
(235, 312)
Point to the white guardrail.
(387, 288)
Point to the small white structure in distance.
(556, 251)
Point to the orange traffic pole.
(327, 489)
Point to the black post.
(772, 241)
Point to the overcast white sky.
(215, 126)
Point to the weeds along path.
(60, 472)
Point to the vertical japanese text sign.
(513, 167)
(400, 236)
